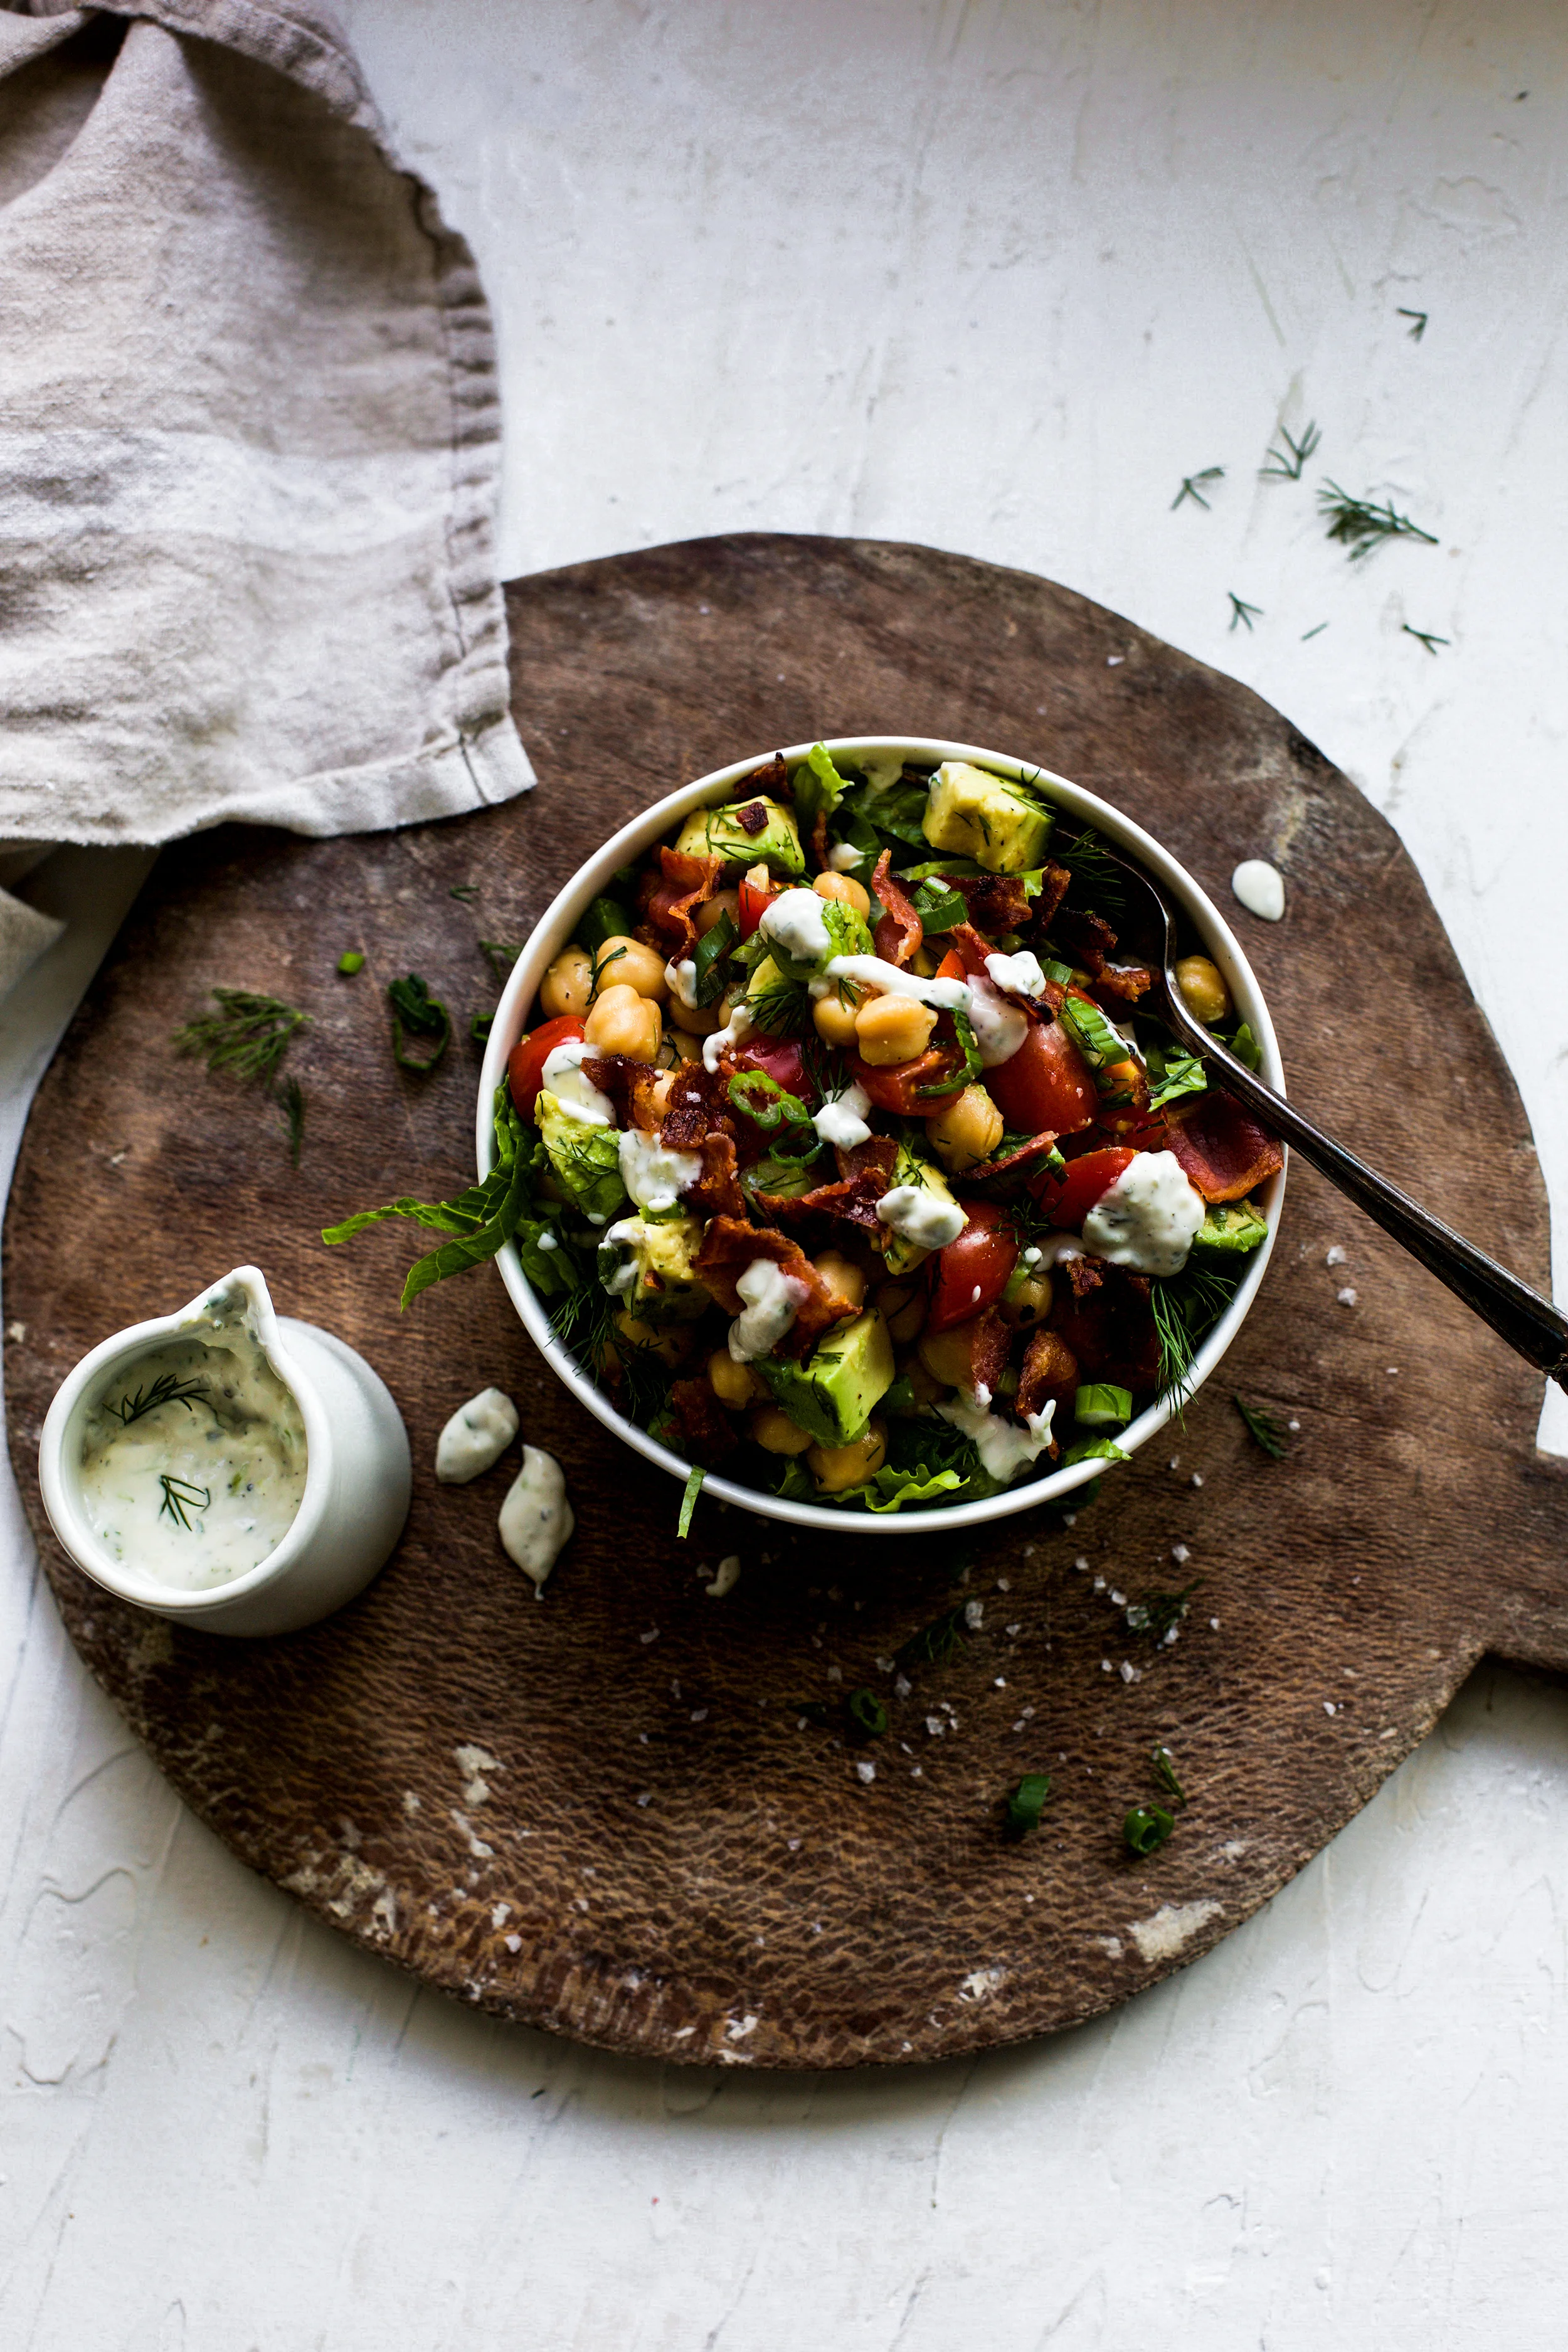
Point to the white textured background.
(992, 276)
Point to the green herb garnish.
(290, 1101)
(482, 1218)
(1158, 1616)
(1193, 487)
(1164, 1765)
(350, 961)
(1185, 1306)
(480, 1028)
(938, 910)
(1419, 329)
(416, 1014)
(1263, 1429)
(972, 1066)
(1318, 632)
(1360, 524)
(1102, 1047)
(465, 892)
(248, 1035)
(712, 949)
(1240, 610)
(1091, 862)
(597, 966)
(779, 1009)
(165, 1389)
(181, 1497)
(1146, 1828)
(935, 1643)
(693, 1488)
(1285, 466)
(1173, 1074)
(1424, 638)
(1026, 1803)
(500, 954)
(867, 1713)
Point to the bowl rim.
(554, 931)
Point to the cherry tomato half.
(1067, 1200)
(753, 904)
(973, 1271)
(781, 1060)
(951, 966)
(896, 1085)
(1047, 1086)
(525, 1067)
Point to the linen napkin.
(249, 445)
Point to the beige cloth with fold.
(249, 443)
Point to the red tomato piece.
(896, 1085)
(753, 903)
(951, 966)
(1046, 1085)
(525, 1066)
(781, 1060)
(973, 1271)
(1067, 1200)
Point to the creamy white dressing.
(680, 978)
(562, 1077)
(724, 1040)
(196, 1492)
(632, 1233)
(918, 1215)
(1148, 1219)
(536, 1518)
(1052, 1248)
(1021, 972)
(793, 921)
(477, 1435)
(842, 1119)
(1004, 1445)
(1261, 888)
(999, 1027)
(654, 1176)
(773, 1300)
(843, 857)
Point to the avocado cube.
(649, 1265)
(902, 1257)
(832, 1394)
(584, 1157)
(1231, 1229)
(972, 814)
(720, 833)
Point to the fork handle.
(1532, 1325)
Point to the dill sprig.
(1240, 610)
(1159, 1616)
(1185, 1306)
(937, 1643)
(1164, 1765)
(585, 1321)
(1263, 1429)
(249, 1033)
(290, 1101)
(464, 892)
(181, 1497)
(1419, 329)
(1424, 638)
(416, 1014)
(1360, 524)
(165, 1389)
(500, 954)
(1193, 487)
(1313, 633)
(1088, 859)
(1285, 464)
(780, 1009)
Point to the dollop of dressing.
(680, 978)
(794, 919)
(563, 1076)
(536, 1519)
(773, 1299)
(724, 1040)
(920, 1215)
(194, 1457)
(1003, 1446)
(1261, 888)
(654, 1175)
(999, 1027)
(1021, 972)
(477, 1435)
(1148, 1219)
(842, 1119)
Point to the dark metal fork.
(1532, 1325)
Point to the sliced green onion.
(1026, 1803)
(688, 1502)
(1100, 1404)
(1146, 1828)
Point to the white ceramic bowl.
(554, 930)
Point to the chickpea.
(632, 963)
(687, 1047)
(775, 1433)
(693, 1020)
(843, 1275)
(948, 1356)
(834, 1467)
(967, 1131)
(723, 902)
(567, 986)
(1203, 992)
(1027, 1299)
(734, 1384)
(846, 890)
(834, 1021)
(927, 1388)
(671, 1342)
(622, 1021)
(890, 1029)
(902, 1309)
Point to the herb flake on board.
(1193, 486)
(249, 1033)
(1360, 524)
(1026, 1802)
(1263, 1429)
(1145, 1829)
(416, 1014)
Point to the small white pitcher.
(357, 1479)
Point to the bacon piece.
(819, 842)
(864, 1175)
(1036, 1147)
(971, 949)
(878, 1153)
(717, 1192)
(707, 1432)
(729, 1247)
(996, 902)
(1124, 984)
(1087, 936)
(666, 904)
(1055, 883)
(771, 778)
(699, 1105)
(1049, 1374)
(1223, 1150)
(629, 1085)
(1108, 1323)
(900, 930)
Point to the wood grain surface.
(602, 1813)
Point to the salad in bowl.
(834, 1154)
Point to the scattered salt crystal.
(1099, 1583)
(999, 1683)
(865, 1772)
(699, 1715)
(1196, 1479)
(836, 1673)
(974, 1614)
(1328, 1706)
(1336, 1257)
(1180, 1554)
(1013, 1632)
(647, 1797)
(651, 1635)
(1292, 1424)
(794, 1844)
(1019, 1725)
(1105, 1666)
(935, 1726)
(1129, 1673)
(1081, 1565)
(902, 1687)
(916, 1771)
(884, 1665)
(1118, 1600)
(1004, 1584)
(1346, 1297)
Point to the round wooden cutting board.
(631, 1811)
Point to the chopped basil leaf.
(1093, 1035)
(1172, 1073)
(1094, 1449)
(712, 949)
(607, 918)
(416, 1014)
(1026, 1803)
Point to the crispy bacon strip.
(1223, 1150)
(1036, 1147)
(989, 1345)
(717, 1192)
(699, 1105)
(1054, 886)
(707, 1432)
(1049, 1374)
(630, 1085)
(864, 1175)
(771, 778)
(729, 1247)
(996, 902)
(1109, 1325)
(1124, 984)
(1087, 936)
(900, 930)
(973, 950)
(666, 904)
